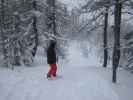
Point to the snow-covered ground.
(81, 80)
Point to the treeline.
(114, 15)
(26, 24)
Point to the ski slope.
(79, 81)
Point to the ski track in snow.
(77, 83)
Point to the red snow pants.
(52, 70)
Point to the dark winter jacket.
(51, 54)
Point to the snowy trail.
(78, 82)
(74, 85)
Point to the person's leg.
(50, 71)
(54, 70)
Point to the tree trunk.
(2, 26)
(105, 38)
(54, 19)
(116, 51)
(51, 17)
(35, 30)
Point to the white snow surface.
(81, 79)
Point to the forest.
(102, 26)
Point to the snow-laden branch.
(17, 37)
(94, 28)
(127, 12)
(90, 21)
(120, 47)
(52, 36)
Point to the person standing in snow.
(51, 60)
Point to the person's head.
(52, 43)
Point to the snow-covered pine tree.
(23, 42)
(28, 42)
(128, 36)
(129, 49)
(7, 29)
(17, 34)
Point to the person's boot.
(48, 76)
